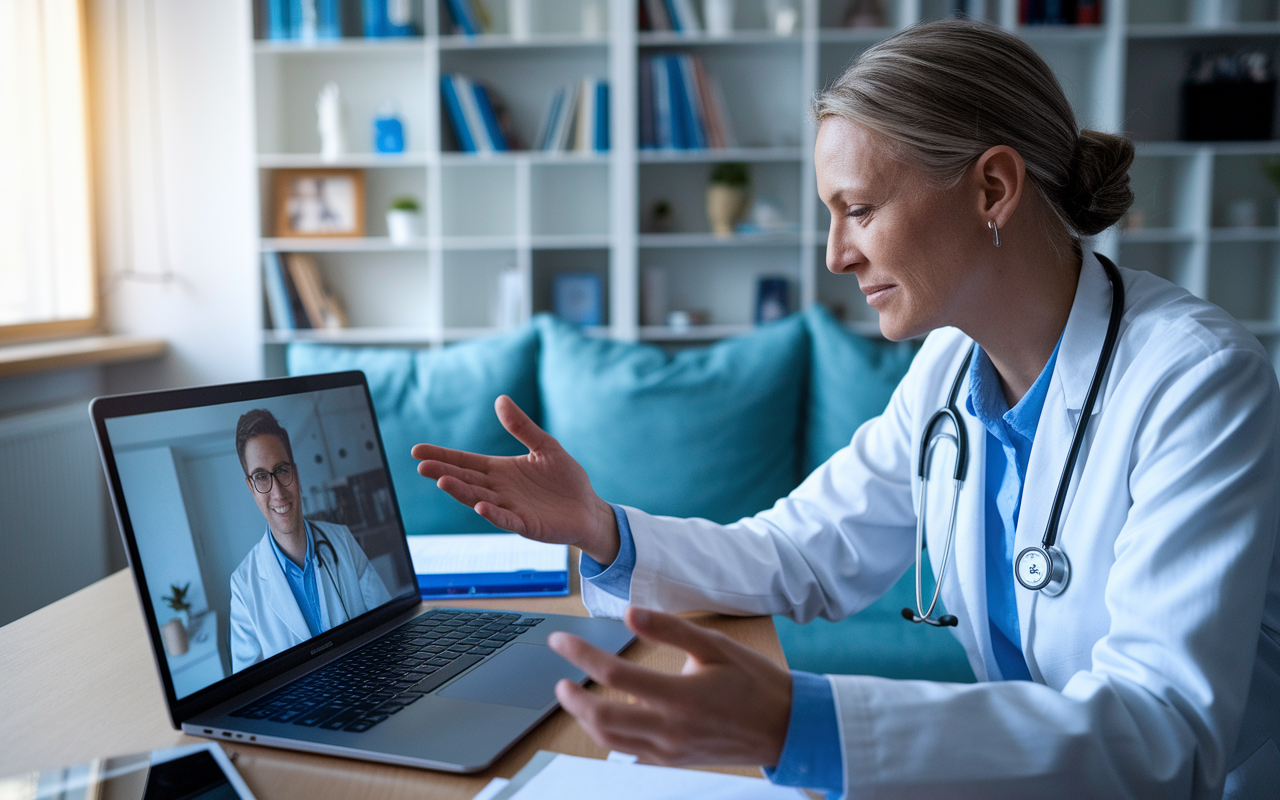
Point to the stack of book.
(576, 119)
(669, 15)
(479, 120)
(296, 297)
(307, 20)
(1060, 12)
(469, 17)
(680, 105)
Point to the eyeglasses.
(262, 479)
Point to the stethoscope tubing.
(323, 539)
(950, 413)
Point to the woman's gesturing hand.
(544, 495)
(730, 704)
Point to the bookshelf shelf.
(326, 47)
(522, 218)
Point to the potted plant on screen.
(402, 220)
(727, 197)
(174, 632)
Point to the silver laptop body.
(447, 689)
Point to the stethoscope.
(1043, 568)
(322, 539)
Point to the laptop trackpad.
(523, 675)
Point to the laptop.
(271, 561)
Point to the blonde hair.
(943, 93)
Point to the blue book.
(277, 293)
(456, 118)
(375, 19)
(673, 14)
(329, 19)
(460, 10)
(278, 20)
(551, 121)
(664, 127)
(485, 104)
(398, 18)
(602, 116)
(697, 119)
(681, 114)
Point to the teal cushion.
(709, 432)
(443, 396)
(851, 382)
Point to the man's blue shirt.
(302, 581)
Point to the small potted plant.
(174, 632)
(727, 197)
(402, 220)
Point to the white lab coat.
(1166, 638)
(265, 617)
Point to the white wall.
(176, 187)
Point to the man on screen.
(304, 577)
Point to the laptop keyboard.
(368, 685)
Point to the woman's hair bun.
(1097, 192)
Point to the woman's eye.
(858, 211)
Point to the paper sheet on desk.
(468, 553)
(551, 776)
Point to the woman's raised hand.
(544, 495)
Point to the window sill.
(24, 359)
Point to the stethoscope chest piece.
(1043, 569)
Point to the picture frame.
(319, 203)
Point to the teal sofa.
(719, 432)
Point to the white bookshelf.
(541, 214)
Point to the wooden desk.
(78, 681)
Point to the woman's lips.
(878, 293)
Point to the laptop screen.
(258, 523)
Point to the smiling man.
(304, 576)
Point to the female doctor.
(1110, 442)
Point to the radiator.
(53, 520)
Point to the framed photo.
(319, 202)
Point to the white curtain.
(46, 252)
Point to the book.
(695, 120)
(657, 13)
(564, 126)
(279, 304)
(688, 15)
(584, 138)
(464, 22)
(771, 300)
(322, 308)
(278, 27)
(466, 95)
(648, 137)
(549, 119)
(457, 122)
(489, 116)
(602, 117)
(681, 136)
(664, 137)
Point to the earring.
(996, 230)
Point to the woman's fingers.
(705, 645)
(607, 669)
(520, 426)
(458, 458)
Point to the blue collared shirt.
(1010, 433)
(302, 581)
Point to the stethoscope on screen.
(1042, 568)
(322, 539)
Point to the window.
(47, 276)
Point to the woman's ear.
(1001, 175)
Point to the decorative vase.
(725, 206)
(175, 637)
(402, 226)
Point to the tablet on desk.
(452, 566)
